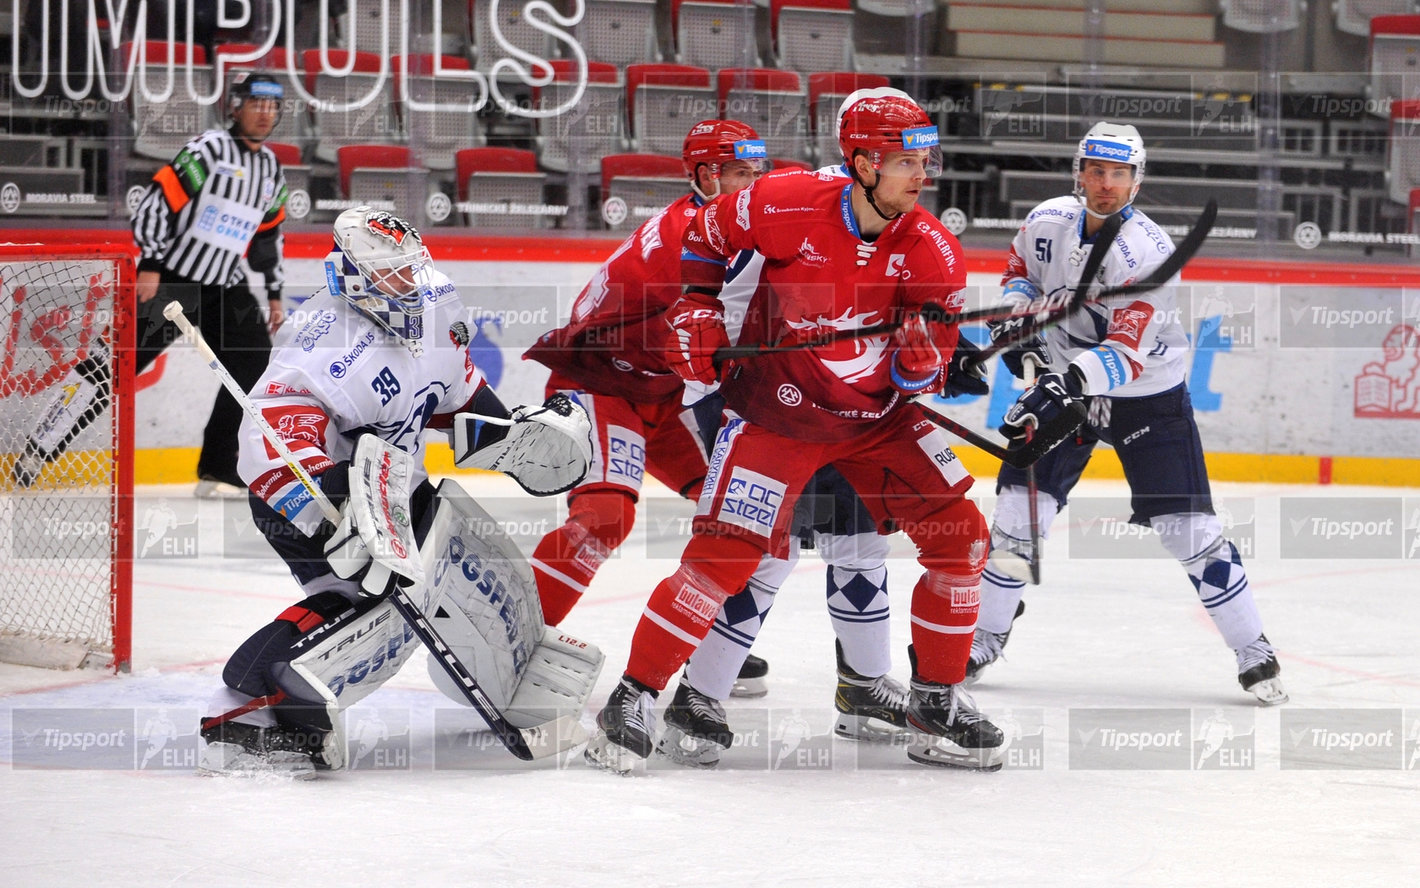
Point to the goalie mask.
(380, 266)
(1113, 142)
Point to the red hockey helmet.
(882, 124)
(717, 142)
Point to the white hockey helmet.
(1115, 142)
(379, 264)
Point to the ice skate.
(871, 709)
(1259, 673)
(238, 749)
(950, 731)
(751, 681)
(986, 647)
(212, 487)
(626, 728)
(696, 729)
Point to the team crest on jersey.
(390, 226)
(458, 332)
(790, 396)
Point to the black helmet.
(247, 85)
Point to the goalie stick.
(519, 742)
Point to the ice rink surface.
(1198, 788)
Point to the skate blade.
(939, 752)
(688, 751)
(866, 729)
(749, 688)
(232, 760)
(1269, 692)
(609, 756)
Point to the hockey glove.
(1054, 407)
(348, 555)
(546, 449)
(1018, 292)
(916, 360)
(964, 375)
(697, 332)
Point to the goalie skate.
(237, 749)
(1259, 673)
(696, 729)
(626, 729)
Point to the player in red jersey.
(613, 355)
(838, 256)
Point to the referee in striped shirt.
(222, 197)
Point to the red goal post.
(66, 523)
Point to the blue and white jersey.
(1133, 346)
(339, 375)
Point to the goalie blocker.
(325, 654)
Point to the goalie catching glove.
(546, 449)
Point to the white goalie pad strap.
(381, 482)
(482, 597)
(557, 682)
(346, 664)
(547, 449)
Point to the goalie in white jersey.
(1124, 363)
(383, 351)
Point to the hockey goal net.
(66, 455)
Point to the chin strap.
(868, 193)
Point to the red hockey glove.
(697, 332)
(916, 361)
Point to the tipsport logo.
(1130, 739)
(748, 149)
(920, 137)
(104, 739)
(1117, 152)
(1342, 739)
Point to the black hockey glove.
(1013, 356)
(964, 375)
(1054, 407)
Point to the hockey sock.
(858, 599)
(716, 663)
(1221, 583)
(1000, 595)
(683, 606)
(943, 618)
(1215, 567)
(858, 609)
(565, 561)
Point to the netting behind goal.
(66, 455)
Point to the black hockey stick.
(513, 738)
(1026, 455)
(1171, 266)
